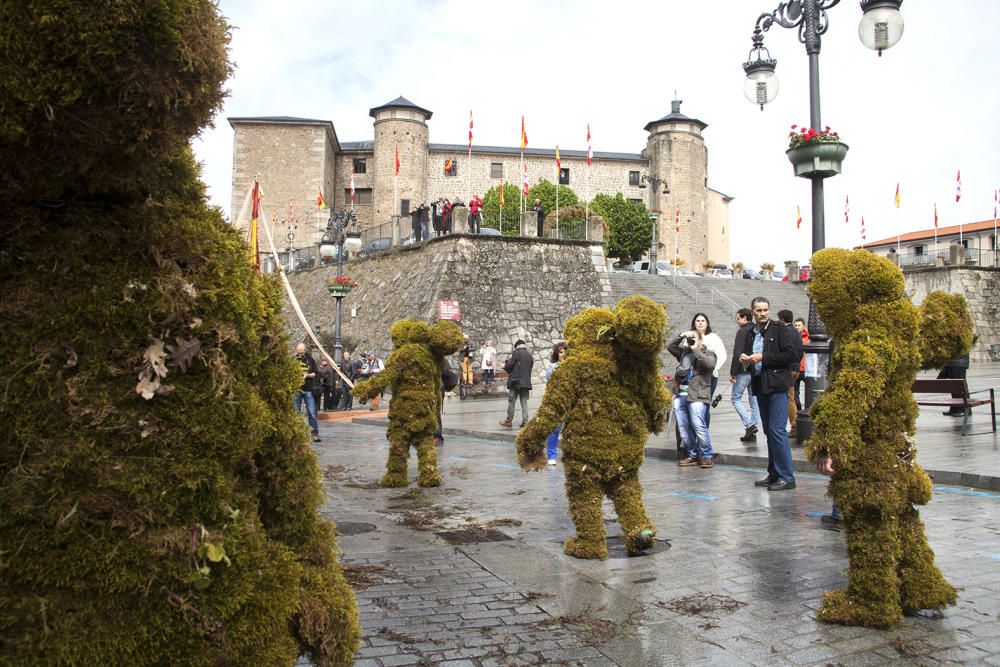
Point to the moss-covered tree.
(178, 525)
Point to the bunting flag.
(798, 219)
(524, 136)
(352, 189)
(588, 145)
(935, 216)
(501, 193)
(320, 202)
(558, 162)
(847, 210)
(958, 186)
(397, 159)
(863, 237)
(525, 179)
(470, 131)
(254, 246)
(897, 195)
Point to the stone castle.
(295, 158)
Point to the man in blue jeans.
(769, 352)
(309, 379)
(740, 379)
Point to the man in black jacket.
(740, 379)
(769, 352)
(518, 368)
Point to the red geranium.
(808, 135)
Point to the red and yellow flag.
(320, 202)
(935, 216)
(501, 193)
(254, 245)
(677, 221)
(524, 136)
(524, 179)
(397, 159)
(897, 195)
(558, 161)
(470, 130)
(588, 144)
(798, 219)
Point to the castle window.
(360, 165)
(635, 201)
(633, 178)
(918, 250)
(564, 176)
(496, 170)
(362, 196)
(404, 208)
(451, 167)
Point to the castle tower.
(399, 123)
(676, 152)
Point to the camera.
(716, 401)
(690, 342)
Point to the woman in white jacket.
(714, 343)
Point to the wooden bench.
(966, 402)
(479, 386)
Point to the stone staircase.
(716, 297)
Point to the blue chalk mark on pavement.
(693, 496)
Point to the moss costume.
(413, 373)
(179, 525)
(607, 413)
(865, 421)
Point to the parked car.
(489, 231)
(687, 273)
(779, 275)
(719, 273)
(376, 246)
(750, 274)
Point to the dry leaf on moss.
(181, 354)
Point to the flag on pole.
(352, 189)
(677, 221)
(897, 195)
(397, 159)
(935, 216)
(524, 136)
(798, 219)
(588, 145)
(847, 209)
(525, 179)
(254, 246)
(320, 202)
(470, 131)
(501, 193)
(958, 186)
(558, 161)
(863, 237)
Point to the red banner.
(449, 310)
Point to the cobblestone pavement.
(472, 573)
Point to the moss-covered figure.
(182, 528)
(414, 374)
(865, 422)
(608, 407)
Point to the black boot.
(750, 435)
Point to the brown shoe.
(706, 463)
(506, 423)
(687, 461)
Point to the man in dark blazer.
(518, 368)
(769, 352)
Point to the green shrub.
(182, 529)
(629, 230)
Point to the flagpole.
(586, 222)
(557, 191)
(996, 200)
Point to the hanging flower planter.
(340, 286)
(816, 154)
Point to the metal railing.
(686, 286)
(719, 297)
(973, 257)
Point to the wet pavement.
(472, 573)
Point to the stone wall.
(980, 286)
(507, 288)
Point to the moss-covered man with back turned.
(608, 406)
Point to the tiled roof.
(399, 102)
(929, 233)
(533, 152)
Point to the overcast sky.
(927, 108)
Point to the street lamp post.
(654, 182)
(341, 231)
(880, 28)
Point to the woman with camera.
(692, 395)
